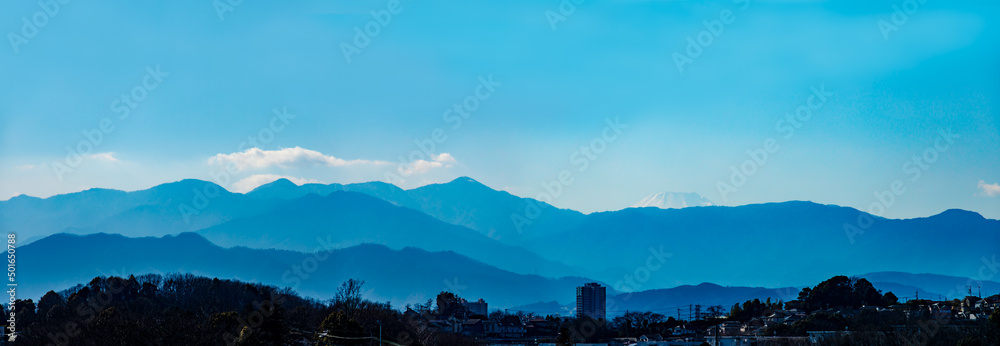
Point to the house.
(971, 304)
(474, 327)
(730, 328)
(731, 340)
(449, 325)
(650, 337)
(777, 317)
(993, 302)
(540, 327)
(753, 327)
(794, 318)
(508, 327)
(683, 331)
(654, 340)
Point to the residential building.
(590, 301)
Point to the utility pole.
(717, 335)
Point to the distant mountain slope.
(285, 189)
(349, 218)
(462, 201)
(171, 208)
(400, 276)
(906, 292)
(673, 200)
(667, 301)
(790, 243)
(948, 286)
(773, 244)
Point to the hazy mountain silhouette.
(668, 300)
(934, 285)
(463, 201)
(349, 218)
(774, 244)
(402, 276)
(170, 208)
(791, 243)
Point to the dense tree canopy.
(191, 310)
(843, 292)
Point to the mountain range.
(789, 244)
(408, 275)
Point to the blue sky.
(558, 78)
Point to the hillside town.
(813, 319)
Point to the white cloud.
(288, 157)
(422, 166)
(989, 190)
(445, 158)
(249, 183)
(108, 157)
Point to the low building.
(478, 307)
(474, 327)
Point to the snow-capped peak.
(673, 200)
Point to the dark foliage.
(192, 310)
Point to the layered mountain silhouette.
(933, 286)
(790, 243)
(762, 245)
(350, 218)
(404, 276)
(171, 208)
(667, 301)
(409, 275)
(462, 201)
